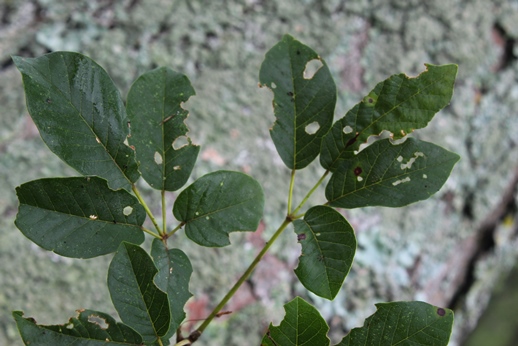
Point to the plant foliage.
(82, 119)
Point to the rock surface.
(449, 250)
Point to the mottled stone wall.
(447, 250)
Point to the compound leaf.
(328, 247)
(139, 302)
(302, 325)
(80, 115)
(89, 328)
(219, 203)
(174, 273)
(399, 105)
(403, 323)
(390, 175)
(303, 103)
(78, 217)
(158, 131)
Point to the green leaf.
(157, 128)
(390, 175)
(89, 328)
(80, 115)
(403, 323)
(399, 104)
(139, 302)
(174, 273)
(328, 247)
(78, 217)
(219, 203)
(302, 325)
(303, 103)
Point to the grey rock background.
(449, 250)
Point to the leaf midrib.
(78, 216)
(78, 113)
(419, 91)
(356, 115)
(366, 187)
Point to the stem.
(310, 193)
(243, 277)
(175, 229)
(151, 233)
(160, 342)
(164, 215)
(183, 342)
(298, 216)
(290, 193)
(289, 219)
(146, 208)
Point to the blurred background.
(457, 249)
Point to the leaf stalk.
(290, 193)
(151, 232)
(308, 195)
(164, 215)
(146, 208)
(243, 277)
(184, 342)
(175, 229)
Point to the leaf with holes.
(90, 328)
(158, 128)
(174, 273)
(219, 203)
(80, 115)
(139, 302)
(403, 323)
(304, 100)
(78, 217)
(399, 105)
(384, 174)
(328, 247)
(302, 325)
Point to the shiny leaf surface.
(78, 217)
(139, 302)
(399, 104)
(89, 328)
(390, 175)
(219, 203)
(174, 273)
(328, 247)
(302, 325)
(158, 127)
(304, 100)
(403, 323)
(80, 115)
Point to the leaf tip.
(16, 313)
(287, 37)
(17, 59)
